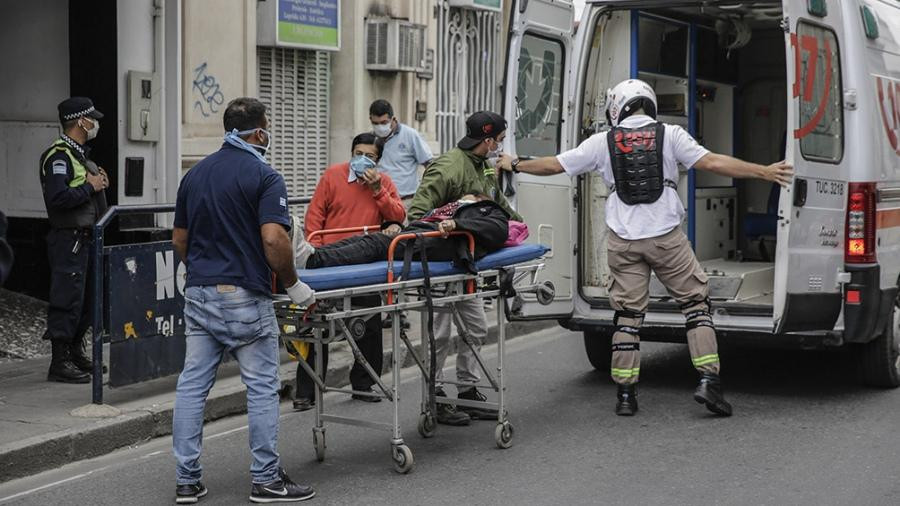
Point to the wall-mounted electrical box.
(143, 106)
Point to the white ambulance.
(816, 82)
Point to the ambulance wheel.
(403, 458)
(319, 443)
(597, 344)
(427, 425)
(503, 435)
(881, 357)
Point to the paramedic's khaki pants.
(471, 312)
(672, 259)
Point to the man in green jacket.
(464, 170)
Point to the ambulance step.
(730, 281)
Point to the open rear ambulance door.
(537, 107)
(810, 249)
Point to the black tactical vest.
(637, 163)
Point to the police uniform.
(73, 207)
(638, 160)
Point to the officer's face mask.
(93, 131)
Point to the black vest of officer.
(86, 214)
(637, 163)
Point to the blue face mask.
(359, 165)
(234, 138)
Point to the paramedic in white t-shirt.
(638, 158)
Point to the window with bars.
(294, 85)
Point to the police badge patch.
(60, 168)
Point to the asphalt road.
(804, 432)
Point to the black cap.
(480, 126)
(76, 107)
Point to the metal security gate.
(468, 80)
(294, 85)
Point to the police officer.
(638, 158)
(73, 187)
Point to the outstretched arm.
(544, 166)
(779, 172)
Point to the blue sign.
(146, 305)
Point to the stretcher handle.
(470, 285)
(364, 229)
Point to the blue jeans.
(219, 319)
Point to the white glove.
(301, 294)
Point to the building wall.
(354, 88)
(218, 65)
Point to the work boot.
(627, 404)
(709, 392)
(79, 356)
(448, 415)
(473, 394)
(62, 368)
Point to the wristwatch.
(514, 165)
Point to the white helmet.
(628, 96)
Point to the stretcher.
(503, 276)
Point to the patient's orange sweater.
(338, 203)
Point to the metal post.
(96, 323)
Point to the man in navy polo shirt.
(231, 222)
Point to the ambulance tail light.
(860, 227)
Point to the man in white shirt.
(638, 159)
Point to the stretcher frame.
(333, 318)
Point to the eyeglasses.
(370, 156)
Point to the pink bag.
(518, 232)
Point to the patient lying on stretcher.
(488, 223)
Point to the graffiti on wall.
(207, 88)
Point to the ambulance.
(815, 82)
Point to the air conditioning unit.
(394, 45)
(482, 5)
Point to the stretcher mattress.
(346, 276)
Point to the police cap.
(76, 107)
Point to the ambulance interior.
(736, 85)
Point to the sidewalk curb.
(40, 453)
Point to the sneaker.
(365, 398)
(304, 404)
(448, 415)
(190, 494)
(473, 394)
(280, 490)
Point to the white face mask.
(495, 153)
(382, 130)
(93, 131)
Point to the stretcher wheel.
(545, 293)
(357, 328)
(403, 458)
(427, 425)
(503, 435)
(319, 443)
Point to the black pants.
(71, 279)
(363, 249)
(371, 346)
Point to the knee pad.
(697, 315)
(628, 322)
